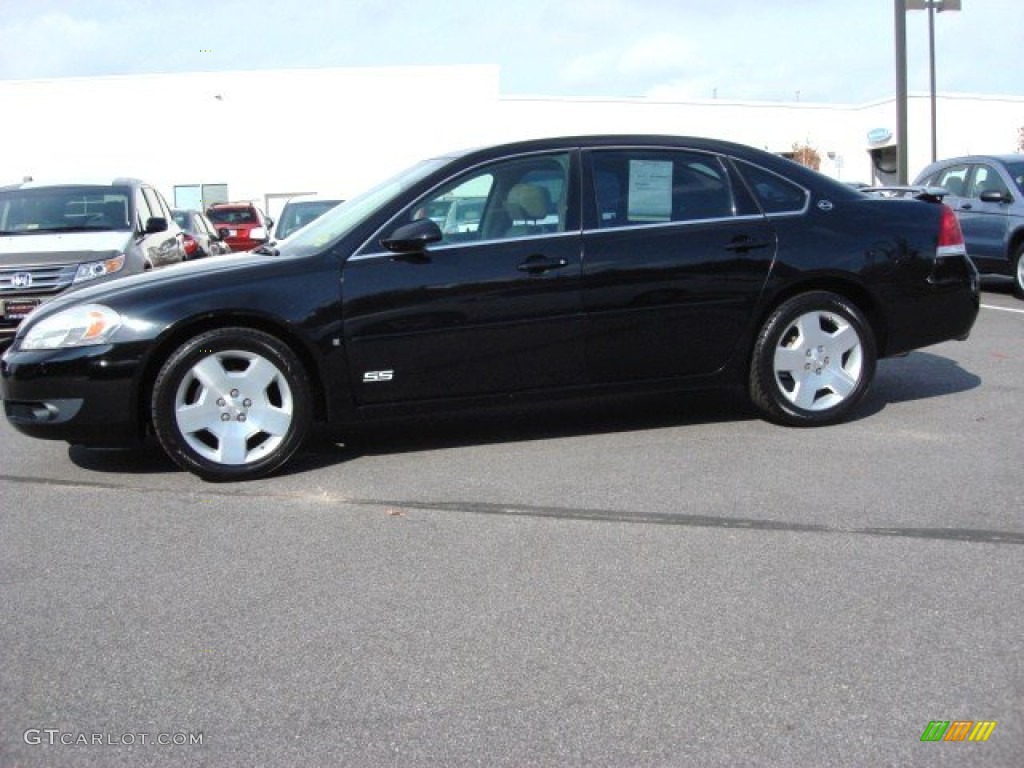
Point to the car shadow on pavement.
(522, 424)
(918, 376)
(146, 459)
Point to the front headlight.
(93, 269)
(73, 327)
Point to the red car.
(242, 225)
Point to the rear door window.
(641, 187)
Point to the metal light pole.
(931, 6)
(900, 25)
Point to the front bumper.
(88, 395)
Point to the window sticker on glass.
(650, 190)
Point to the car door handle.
(965, 206)
(744, 243)
(537, 264)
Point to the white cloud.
(657, 55)
(835, 51)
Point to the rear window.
(232, 216)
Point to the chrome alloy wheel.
(234, 407)
(819, 361)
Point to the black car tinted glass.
(233, 216)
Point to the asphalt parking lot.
(662, 583)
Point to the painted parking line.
(1004, 309)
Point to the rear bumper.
(87, 395)
(945, 308)
(239, 244)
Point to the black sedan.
(597, 265)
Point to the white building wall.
(339, 130)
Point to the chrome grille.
(41, 280)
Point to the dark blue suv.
(987, 193)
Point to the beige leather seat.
(527, 205)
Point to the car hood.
(185, 274)
(59, 247)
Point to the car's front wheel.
(813, 360)
(231, 404)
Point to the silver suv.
(54, 237)
(987, 193)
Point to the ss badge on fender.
(372, 376)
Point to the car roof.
(314, 197)
(241, 204)
(763, 158)
(121, 181)
(977, 158)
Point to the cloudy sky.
(814, 50)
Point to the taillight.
(951, 238)
(191, 246)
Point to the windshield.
(64, 209)
(341, 220)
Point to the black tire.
(1017, 271)
(232, 404)
(813, 361)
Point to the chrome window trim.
(681, 223)
(469, 244)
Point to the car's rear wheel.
(231, 404)
(1018, 272)
(813, 361)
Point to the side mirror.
(155, 224)
(994, 196)
(413, 237)
(270, 224)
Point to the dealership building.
(267, 135)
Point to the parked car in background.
(987, 194)
(599, 264)
(54, 237)
(301, 210)
(456, 214)
(242, 225)
(201, 237)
